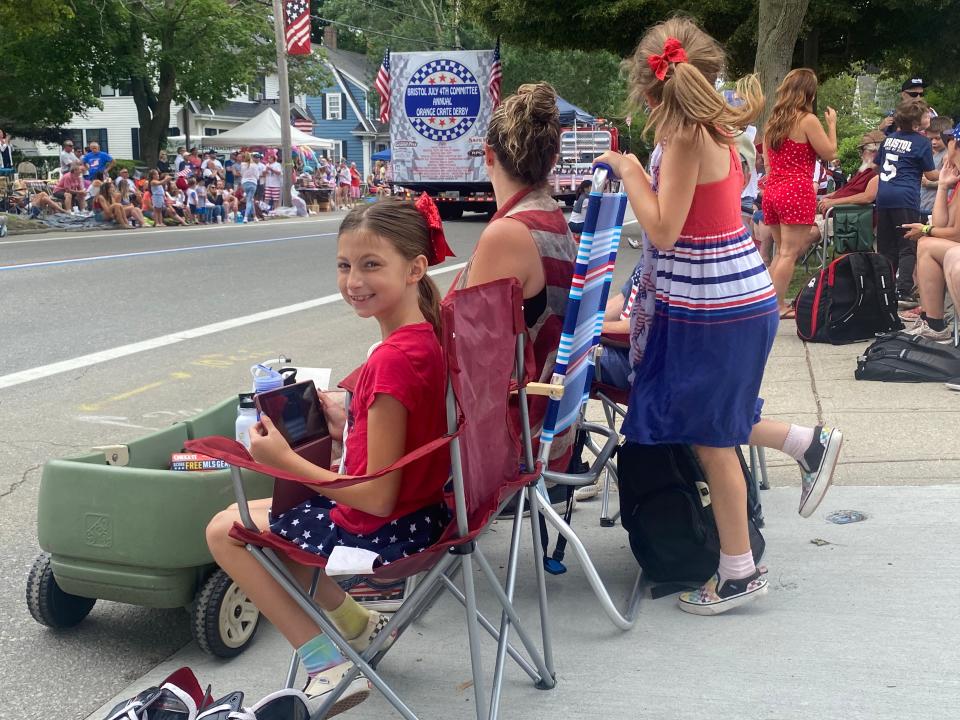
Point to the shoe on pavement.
(817, 466)
(375, 623)
(320, 685)
(953, 384)
(587, 492)
(923, 329)
(910, 317)
(715, 597)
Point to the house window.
(98, 135)
(173, 131)
(126, 88)
(258, 90)
(334, 106)
(75, 135)
(210, 132)
(107, 91)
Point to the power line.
(409, 15)
(357, 28)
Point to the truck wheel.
(450, 212)
(224, 619)
(48, 604)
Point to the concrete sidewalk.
(861, 626)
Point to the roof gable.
(353, 66)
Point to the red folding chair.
(483, 343)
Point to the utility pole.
(284, 100)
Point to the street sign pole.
(284, 100)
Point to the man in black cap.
(912, 89)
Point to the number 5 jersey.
(902, 159)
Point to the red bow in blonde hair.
(673, 52)
(439, 249)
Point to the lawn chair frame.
(596, 255)
(457, 548)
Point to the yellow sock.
(350, 618)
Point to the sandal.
(788, 313)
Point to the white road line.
(81, 235)
(162, 251)
(44, 371)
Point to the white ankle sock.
(736, 567)
(797, 441)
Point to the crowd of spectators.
(191, 187)
(907, 173)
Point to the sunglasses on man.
(914, 93)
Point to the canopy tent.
(381, 155)
(264, 129)
(570, 114)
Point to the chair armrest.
(593, 472)
(554, 392)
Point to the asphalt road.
(129, 297)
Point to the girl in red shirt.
(398, 405)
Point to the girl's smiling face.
(375, 279)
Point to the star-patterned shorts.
(310, 527)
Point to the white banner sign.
(440, 108)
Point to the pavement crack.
(813, 383)
(23, 478)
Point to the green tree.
(47, 74)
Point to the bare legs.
(279, 607)
(792, 241)
(728, 497)
(931, 273)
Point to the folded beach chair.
(574, 370)
(483, 343)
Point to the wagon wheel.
(48, 604)
(224, 618)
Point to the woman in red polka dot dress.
(792, 141)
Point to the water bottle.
(265, 378)
(246, 419)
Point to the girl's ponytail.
(429, 301)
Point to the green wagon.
(118, 525)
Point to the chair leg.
(624, 620)
(764, 480)
(473, 637)
(541, 579)
(606, 520)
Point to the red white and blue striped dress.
(714, 325)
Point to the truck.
(440, 108)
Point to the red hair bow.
(439, 249)
(673, 52)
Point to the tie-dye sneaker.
(817, 466)
(715, 597)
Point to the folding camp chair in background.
(483, 343)
(574, 370)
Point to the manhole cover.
(845, 517)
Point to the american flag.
(297, 26)
(382, 85)
(496, 76)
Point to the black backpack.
(665, 509)
(899, 357)
(851, 299)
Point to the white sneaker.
(324, 683)
(587, 492)
(923, 329)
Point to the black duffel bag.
(899, 357)
(665, 509)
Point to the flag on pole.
(382, 85)
(496, 76)
(296, 26)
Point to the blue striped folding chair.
(572, 379)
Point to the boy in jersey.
(903, 158)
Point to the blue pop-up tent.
(570, 114)
(382, 155)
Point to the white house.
(117, 128)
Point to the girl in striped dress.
(715, 313)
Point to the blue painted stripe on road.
(191, 248)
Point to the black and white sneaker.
(817, 466)
(717, 596)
